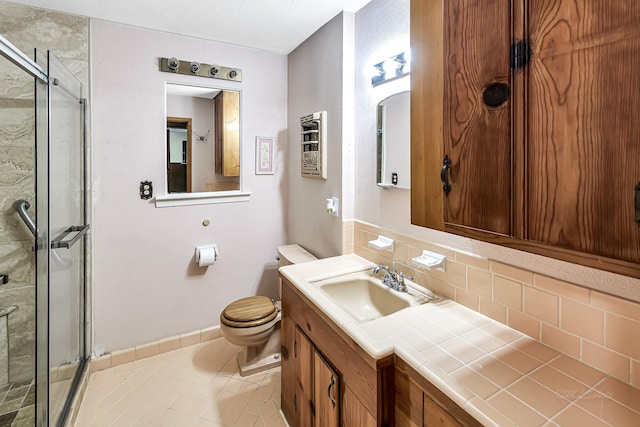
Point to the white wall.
(382, 27)
(316, 79)
(146, 285)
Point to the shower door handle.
(68, 238)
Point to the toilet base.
(252, 360)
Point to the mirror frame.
(381, 149)
(200, 198)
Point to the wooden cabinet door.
(227, 132)
(297, 375)
(326, 393)
(477, 115)
(304, 352)
(552, 170)
(288, 369)
(583, 128)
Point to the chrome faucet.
(392, 278)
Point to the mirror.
(202, 139)
(393, 141)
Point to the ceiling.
(272, 25)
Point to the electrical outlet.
(146, 190)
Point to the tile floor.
(193, 386)
(17, 404)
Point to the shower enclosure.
(43, 246)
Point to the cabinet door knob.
(443, 175)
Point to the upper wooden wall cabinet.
(227, 132)
(528, 113)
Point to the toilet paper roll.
(206, 255)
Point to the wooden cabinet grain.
(227, 133)
(348, 387)
(535, 107)
(354, 413)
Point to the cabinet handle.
(332, 385)
(637, 203)
(443, 175)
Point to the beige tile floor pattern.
(190, 387)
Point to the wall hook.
(202, 138)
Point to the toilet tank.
(293, 254)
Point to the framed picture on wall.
(264, 155)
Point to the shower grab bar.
(21, 206)
(59, 241)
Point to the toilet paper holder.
(206, 255)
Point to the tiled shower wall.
(67, 37)
(599, 329)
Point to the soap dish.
(382, 242)
(429, 260)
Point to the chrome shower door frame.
(53, 82)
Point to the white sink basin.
(363, 296)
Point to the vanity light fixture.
(173, 63)
(390, 69)
(200, 69)
(194, 67)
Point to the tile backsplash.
(598, 329)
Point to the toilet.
(254, 322)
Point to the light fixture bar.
(390, 69)
(192, 68)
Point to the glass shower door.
(65, 294)
(42, 245)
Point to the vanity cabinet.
(327, 379)
(227, 133)
(524, 126)
(420, 404)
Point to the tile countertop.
(497, 374)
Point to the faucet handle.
(404, 276)
(402, 286)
